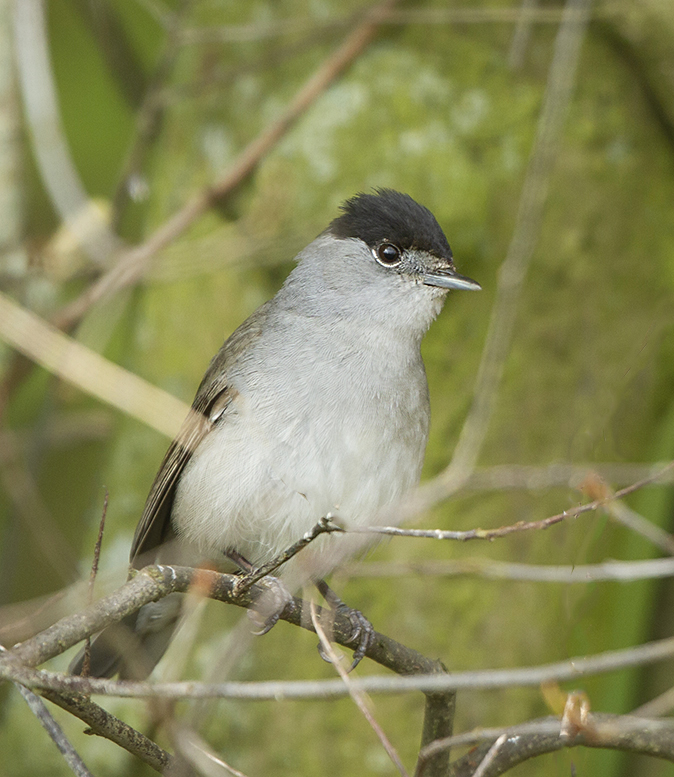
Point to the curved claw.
(265, 614)
(361, 631)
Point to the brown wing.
(210, 405)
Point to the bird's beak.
(449, 278)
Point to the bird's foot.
(268, 607)
(362, 631)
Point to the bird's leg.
(362, 629)
(268, 607)
(241, 561)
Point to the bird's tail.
(132, 647)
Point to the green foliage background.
(434, 110)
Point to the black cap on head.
(392, 216)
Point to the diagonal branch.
(104, 724)
(359, 698)
(55, 731)
(133, 263)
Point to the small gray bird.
(316, 405)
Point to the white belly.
(258, 486)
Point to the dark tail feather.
(132, 647)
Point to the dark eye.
(387, 254)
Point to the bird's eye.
(387, 254)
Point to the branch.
(89, 371)
(520, 526)
(104, 724)
(153, 583)
(502, 477)
(609, 571)
(133, 262)
(360, 699)
(413, 16)
(55, 731)
(52, 153)
(618, 732)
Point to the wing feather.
(209, 407)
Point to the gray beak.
(450, 279)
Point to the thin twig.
(86, 663)
(45, 533)
(52, 154)
(489, 759)
(655, 708)
(324, 526)
(595, 487)
(38, 708)
(572, 669)
(607, 725)
(534, 478)
(71, 756)
(358, 697)
(405, 17)
(197, 752)
(631, 520)
(522, 34)
(148, 117)
(520, 526)
(617, 732)
(609, 571)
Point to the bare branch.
(503, 531)
(104, 724)
(609, 571)
(88, 370)
(55, 731)
(419, 16)
(154, 582)
(194, 750)
(618, 732)
(490, 757)
(52, 154)
(359, 698)
(43, 529)
(86, 664)
(324, 526)
(133, 263)
(533, 478)
(438, 724)
(660, 705)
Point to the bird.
(317, 405)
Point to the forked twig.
(324, 526)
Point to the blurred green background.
(442, 108)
